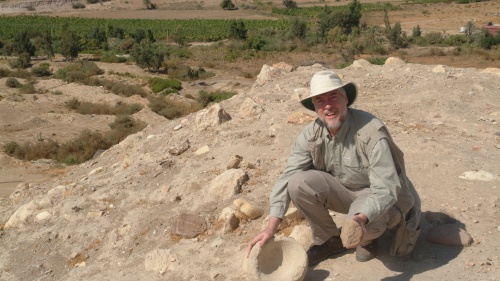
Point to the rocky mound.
(159, 205)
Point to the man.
(347, 162)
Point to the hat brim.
(350, 90)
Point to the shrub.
(416, 32)
(102, 109)
(290, 4)
(238, 30)
(434, 38)
(227, 5)
(118, 88)
(158, 84)
(167, 92)
(4, 72)
(57, 93)
(41, 70)
(21, 73)
(377, 61)
(78, 5)
(149, 5)
(28, 88)
(12, 82)
(170, 109)
(77, 72)
(23, 61)
(205, 98)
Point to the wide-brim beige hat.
(326, 81)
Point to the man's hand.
(265, 235)
(361, 219)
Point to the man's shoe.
(365, 253)
(319, 253)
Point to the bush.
(57, 93)
(88, 108)
(290, 4)
(170, 109)
(4, 72)
(77, 72)
(12, 82)
(227, 5)
(205, 98)
(158, 84)
(28, 89)
(41, 70)
(434, 38)
(377, 61)
(78, 5)
(23, 61)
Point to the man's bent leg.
(314, 192)
(374, 229)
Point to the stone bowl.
(282, 259)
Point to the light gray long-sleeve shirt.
(341, 160)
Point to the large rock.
(212, 116)
(351, 234)
(249, 108)
(302, 234)
(21, 215)
(227, 184)
(249, 209)
(394, 60)
(189, 225)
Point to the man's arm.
(384, 182)
(300, 159)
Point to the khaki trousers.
(315, 192)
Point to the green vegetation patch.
(192, 29)
(205, 98)
(78, 71)
(159, 84)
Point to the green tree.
(70, 45)
(354, 15)
(148, 55)
(46, 44)
(416, 32)
(98, 39)
(299, 29)
(22, 44)
(396, 36)
(141, 34)
(238, 30)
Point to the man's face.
(331, 108)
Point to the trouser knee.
(297, 183)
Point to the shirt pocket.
(354, 174)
